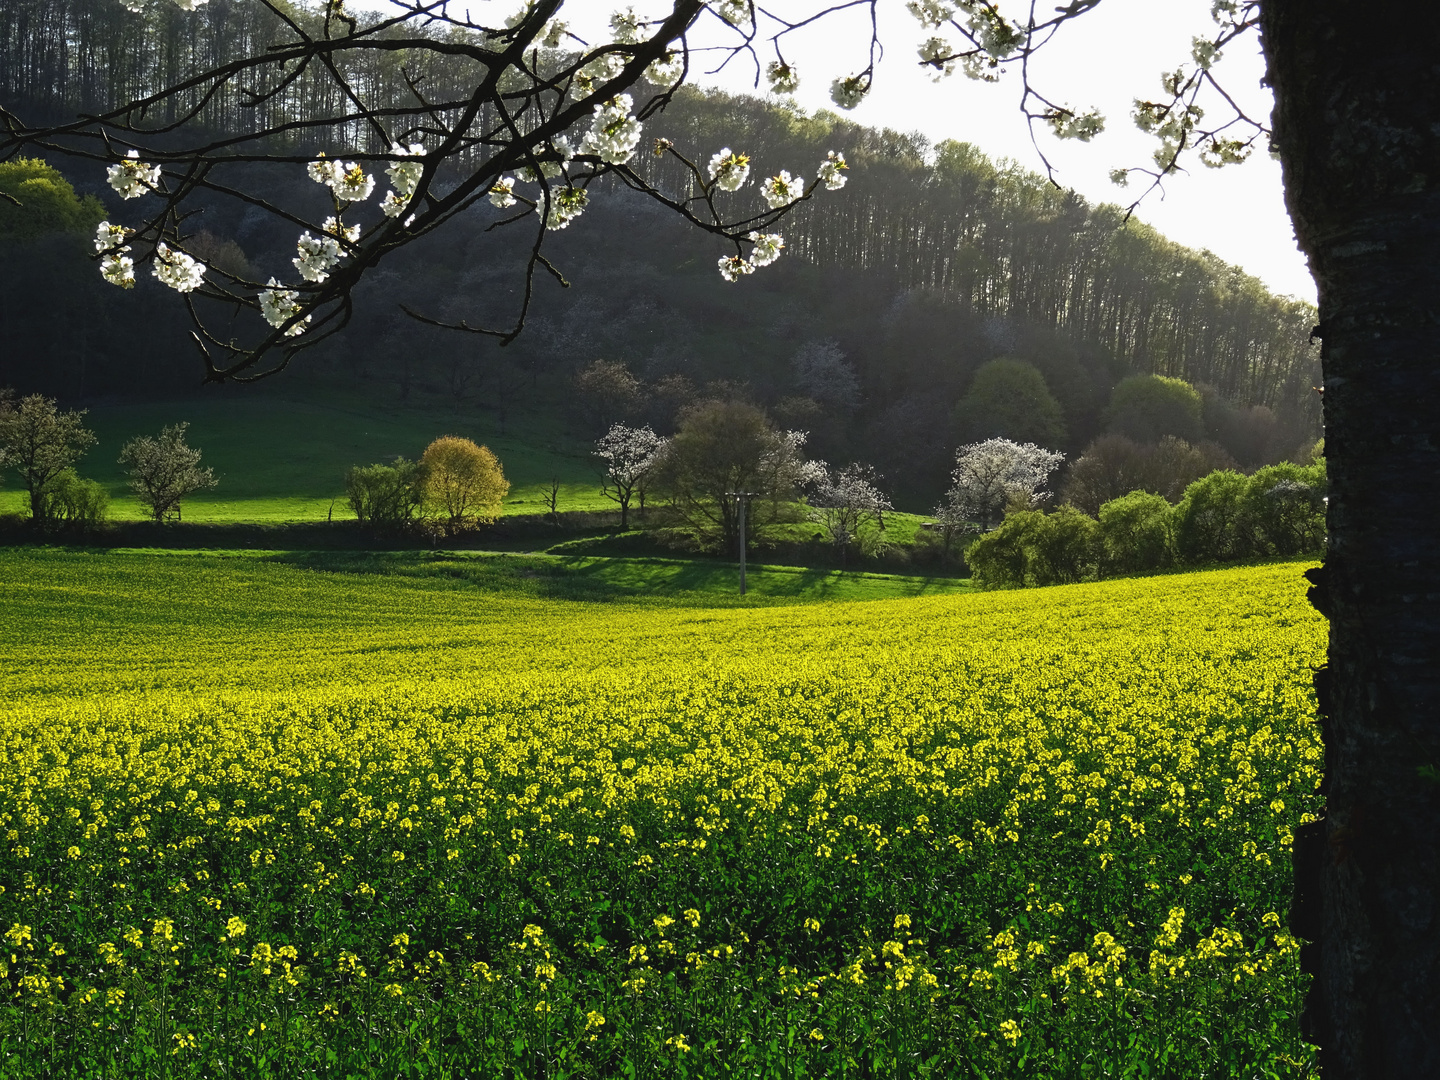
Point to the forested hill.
(932, 261)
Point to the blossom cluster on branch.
(546, 114)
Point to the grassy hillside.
(275, 822)
(284, 459)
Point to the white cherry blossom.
(734, 12)
(768, 247)
(279, 304)
(108, 237)
(832, 171)
(938, 55)
(503, 193)
(177, 270)
(729, 170)
(733, 267)
(782, 189)
(336, 228)
(931, 13)
(118, 269)
(782, 77)
(614, 133)
(667, 71)
(566, 204)
(318, 256)
(355, 185)
(627, 26)
(600, 70)
(850, 91)
(346, 179)
(132, 177)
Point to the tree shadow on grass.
(697, 582)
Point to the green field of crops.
(263, 820)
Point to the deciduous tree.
(629, 455)
(163, 470)
(722, 449)
(463, 482)
(1009, 399)
(992, 475)
(41, 442)
(845, 502)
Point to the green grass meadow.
(282, 460)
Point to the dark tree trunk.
(1357, 122)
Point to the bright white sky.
(1104, 59)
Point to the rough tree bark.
(1357, 123)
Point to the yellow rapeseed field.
(266, 821)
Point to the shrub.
(1001, 558)
(70, 499)
(386, 497)
(1211, 522)
(463, 482)
(1135, 533)
(1285, 508)
(1064, 548)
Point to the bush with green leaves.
(72, 500)
(1225, 516)
(1135, 533)
(1033, 548)
(1285, 508)
(388, 498)
(1212, 523)
(1002, 557)
(1064, 548)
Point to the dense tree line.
(1000, 240)
(1279, 511)
(993, 240)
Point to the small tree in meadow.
(464, 483)
(41, 442)
(163, 470)
(629, 455)
(386, 497)
(845, 503)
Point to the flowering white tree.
(844, 502)
(629, 455)
(164, 470)
(991, 475)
